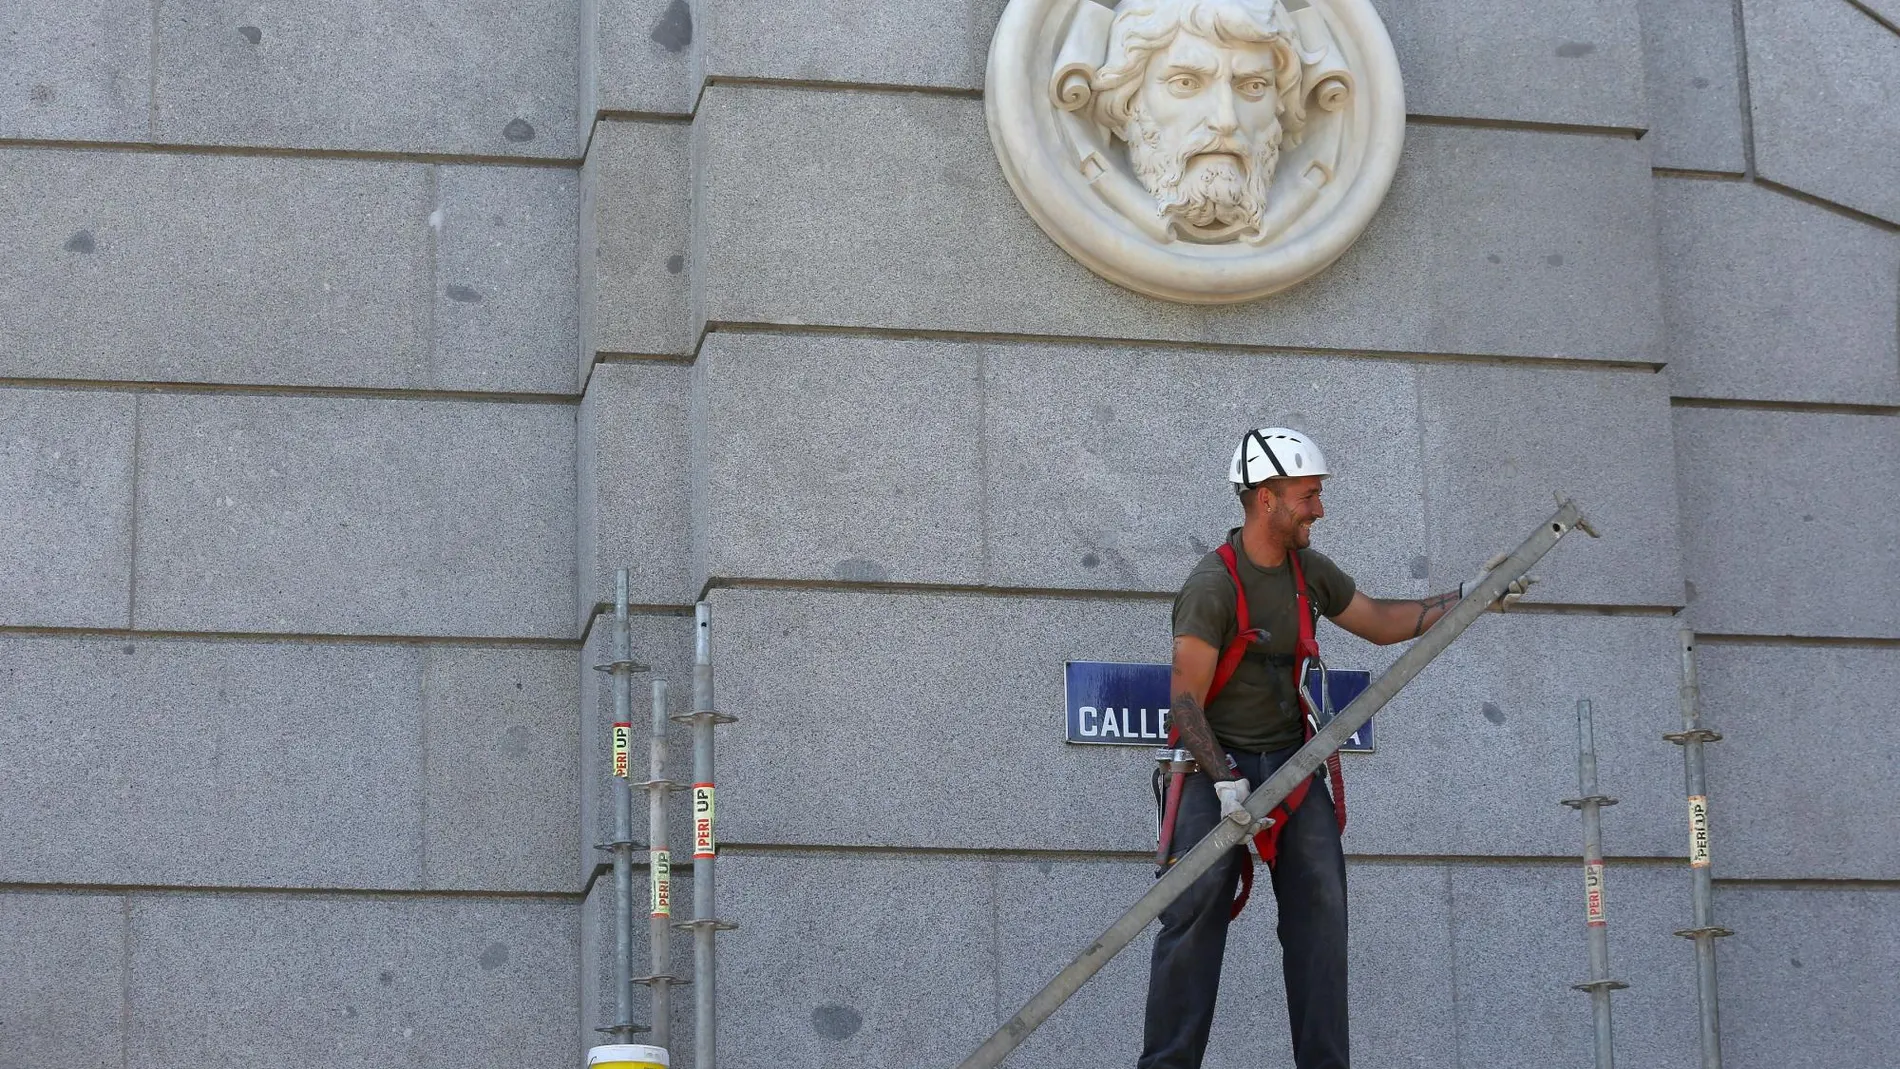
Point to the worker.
(1254, 724)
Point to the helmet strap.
(1246, 476)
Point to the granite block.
(635, 470)
(1780, 806)
(1797, 547)
(1577, 64)
(135, 266)
(644, 58)
(66, 475)
(634, 255)
(828, 682)
(61, 994)
(1695, 85)
(1491, 241)
(597, 1003)
(138, 761)
(1519, 943)
(1770, 298)
(372, 983)
(1107, 467)
(1822, 82)
(211, 763)
(1500, 443)
(1485, 741)
(1400, 953)
(1047, 910)
(1540, 244)
(1809, 970)
(76, 71)
(502, 741)
(506, 264)
(1545, 62)
(850, 41)
(1399, 957)
(663, 642)
(828, 966)
(482, 78)
(842, 459)
(354, 516)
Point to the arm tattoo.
(1188, 715)
(1441, 603)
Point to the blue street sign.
(1116, 703)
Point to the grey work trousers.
(1309, 884)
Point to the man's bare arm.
(1194, 664)
(1386, 621)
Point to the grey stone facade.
(347, 350)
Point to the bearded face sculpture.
(1204, 151)
(1205, 93)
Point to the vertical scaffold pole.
(1596, 921)
(705, 923)
(622, 667)
(659, 978)
(1706, 931)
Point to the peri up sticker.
(702, 820)
(623, 736)
(1698, 831)
(1593, 892)
(660, 864)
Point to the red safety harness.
(1267, 840)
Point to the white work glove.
(1232, 794)
(1511, 593)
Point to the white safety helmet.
(1275, 453)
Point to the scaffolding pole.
(1234, 830)
(659, 978)
(622, 667)
(705, 923)
(1706, 931)
(1596, 920)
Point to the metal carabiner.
(1318, 713)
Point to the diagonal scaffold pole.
(1233, 831)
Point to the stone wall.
(288, 406)
(345, 353)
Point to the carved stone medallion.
(1207, 151)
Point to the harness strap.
(1243, 632)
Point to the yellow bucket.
(626, 1056)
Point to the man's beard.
(1218, 193)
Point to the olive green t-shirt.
(1257, 709)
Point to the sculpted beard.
(1217, 193)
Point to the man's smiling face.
(1296, 505)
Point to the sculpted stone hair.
(1147, 28)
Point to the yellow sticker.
(623, 736)
(1593, 892)
(1698, 831)
(702, 820)
(660, 865)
